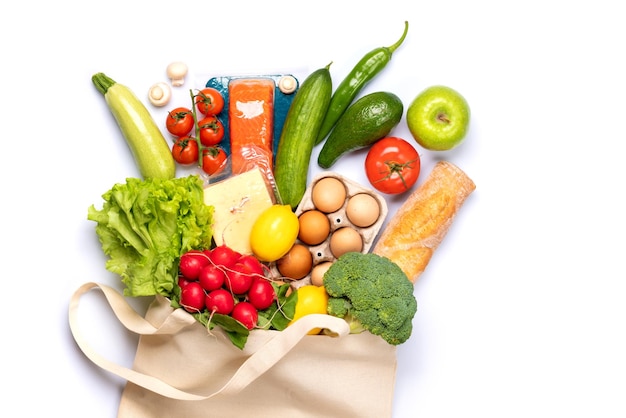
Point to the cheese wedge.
(238, 202)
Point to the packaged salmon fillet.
(251, 124)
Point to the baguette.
(420, 224)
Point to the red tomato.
(245, 313)
(392, 165)
(210, 131)
(185, 150)
(209, 101)
(213, 160)
(179, 122)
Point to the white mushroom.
(287, 84)
(177, 71)
(160, 94)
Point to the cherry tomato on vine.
(179, 122)
(209, 101)
(210, 131)
(213, 160)
(185, 150)
(392, 165)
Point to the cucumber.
(366, 121)
(302, 124)
(146, 141)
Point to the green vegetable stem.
(363, 72)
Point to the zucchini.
(297, 139)
(146, 141)
(366, 121)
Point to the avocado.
(367, 120)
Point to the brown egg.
(314, 227)
(296, 263)
(328, 194)
(317, 274)
(362, 210)
(345, 240)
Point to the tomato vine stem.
(196, 127)
(394, 167)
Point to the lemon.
(274, 232)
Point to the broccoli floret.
(338, 307)
(371, 292)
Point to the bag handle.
(257, 364)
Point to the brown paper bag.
(182, 370)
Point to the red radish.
(182, 282)
(224, 256)
(261, 294)
(238, 279)
(191, 263)
(220, 301)
(253, 264)
(245, 313)
(211, 277)
(192, 297)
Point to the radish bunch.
(223, 281)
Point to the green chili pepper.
(362, 73)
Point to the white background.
(521, 310)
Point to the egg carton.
(337, 219)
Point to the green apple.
(438, 118)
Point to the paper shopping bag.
(183, 370)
